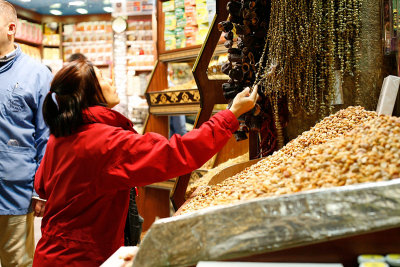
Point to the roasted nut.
(351, 146)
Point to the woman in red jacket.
(94, 157)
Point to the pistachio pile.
(205, 179)
(349, 147)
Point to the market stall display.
(194, 184)
(332, 153)
(332, 182)
(324, 225)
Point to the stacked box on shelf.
(202, 20)
(170, 24)
(211, 10)
(191, 22)
(28, 31)
(147, 5)
(180, 23)
(186, 22)
(51, 53)
(93, 39)
(51, 34)
(140, 44)
(31, 51)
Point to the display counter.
(324, 225)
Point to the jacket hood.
(100, 114)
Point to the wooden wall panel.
(231, 150)
(152, 203)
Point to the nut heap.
(249, 23)
(349, 147)
(203, 181)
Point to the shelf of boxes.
(140, 46)
(31, 51)
(51, 51)
(93, 39)
(186, 22)
(28, 32)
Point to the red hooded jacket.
(86, 178)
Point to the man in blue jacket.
(24, 84)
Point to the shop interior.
(297, 183)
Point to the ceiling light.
(55, 12)
(76, 3)
(56, 5)
(25, 0)
(81, 11)
(108, 9)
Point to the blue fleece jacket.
(24, 84)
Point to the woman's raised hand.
(244, 101)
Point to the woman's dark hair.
(76, 56)
(75, 88)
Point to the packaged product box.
(69, 28)
(147, 6)
(170, 41)
(29, 31)
(170, 20)
(18, 32)
(211, 10)
(202, 13)
(36, 33)
(40, 34)
(169, 34)
(179, 13)
(168, 6)
(190, 40)
(179, 32)
(133, 6)
(190, 11)
(191, 20)
(181, 42)
(22, 30)
(26, 30)
(211, 6)
(190, 31)
(170, 44)
(190, 3)
(181, 22)
(201, 34)
(203, 27)
(179, 3)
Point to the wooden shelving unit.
(199, 102)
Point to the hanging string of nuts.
(309, 42)
(308, 46)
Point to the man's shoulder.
(32, 64)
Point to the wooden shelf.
(168, 185)
(22, 41)
(51, 46)
(102, 64)
(188, 53)
(87, 43)
(140, 68)
(174, 102)
(139, 42)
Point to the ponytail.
(74, 88)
